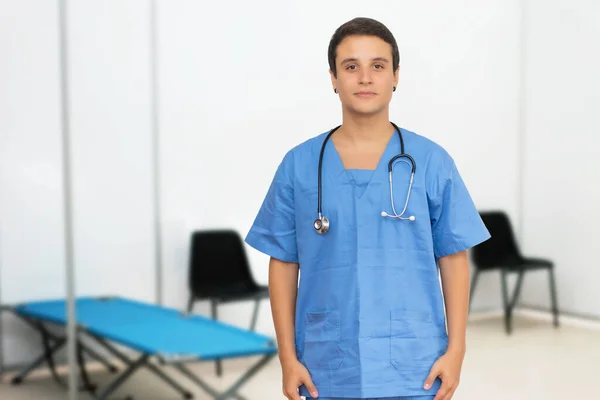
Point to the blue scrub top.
(370, 318)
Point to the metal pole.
(1, 319)
(68, 226)
(156, 153)
(521, 140)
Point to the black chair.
(219, 272)
(502, 253)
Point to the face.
(365, 75)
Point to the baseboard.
(567, 319)
(480, 315)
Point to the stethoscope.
(322, 224)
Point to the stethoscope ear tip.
(384, 214)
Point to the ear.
(333, 80)
(396, 76)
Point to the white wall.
(109, 62)
(31, 209)
(561, 166)
(111, 120)
(237, 89)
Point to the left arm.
(454, 270)
(456, 227)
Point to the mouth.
(365, 94)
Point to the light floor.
(536, 362)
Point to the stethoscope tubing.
(322, 223)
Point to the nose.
(364, 77)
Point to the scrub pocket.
(415, 341)
(321, 340)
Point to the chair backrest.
(217, 260)
(501, 247)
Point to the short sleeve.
(274, 229)
(455, 221)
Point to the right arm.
(274, 233)
(283, 290)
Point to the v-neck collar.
(339, 172)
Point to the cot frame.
(52, 343)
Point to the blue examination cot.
(170, 336)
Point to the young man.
(367, 318)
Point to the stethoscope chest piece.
(321, 225)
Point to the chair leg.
(553, 296)
(214, 314)
(506, 303)
(190, 306)
(473, 285)
(254, 315)
(517, 291)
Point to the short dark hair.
(362, 26)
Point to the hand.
(295, 374)
(447, 367)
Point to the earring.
(334, 90)
(394, 88)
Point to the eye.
(350, 66)
(379, 66)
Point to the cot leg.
(87, 384)
(38, 326)
(122, 378)
(92, 353)
(170, 381)
(112, 350)
(38, 361)
(47, 338)
(150, 366)
(47, 356)
(100, 359)
(204, 386)
(231, 392)
(49, 349)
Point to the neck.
(373, 128)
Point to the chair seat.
(524, 263)
(235, 292)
